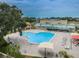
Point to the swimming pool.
(38, 37)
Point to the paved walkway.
(70, 48)
(58, 41)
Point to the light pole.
(45, 56)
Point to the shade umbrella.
(46, 48)
(46, 45)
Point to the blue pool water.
(38, 37)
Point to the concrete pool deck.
(33, 50)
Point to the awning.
(74, 35)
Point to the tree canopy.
(10, 18)
(29, 19)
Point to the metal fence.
(57, 26)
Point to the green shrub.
(64, 54)
(12, 51)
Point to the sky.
(47, 8)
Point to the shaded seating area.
(75, 39)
